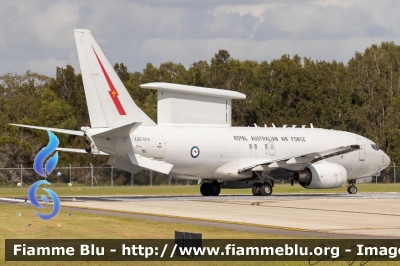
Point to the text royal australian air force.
(269, 138)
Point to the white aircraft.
(194, 138)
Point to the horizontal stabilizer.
(78, 151)
(118, 132)
(59, 130)
(151, 164)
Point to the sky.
(37, 35)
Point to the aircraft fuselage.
(197, 152)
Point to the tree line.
(362, 96)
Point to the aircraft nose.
(386, 159)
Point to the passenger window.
(266, 146)
(250, 146)
(255, 146)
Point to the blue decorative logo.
(195, 152)
(44, 153)
(49, 167)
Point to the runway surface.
(367, 214)
(364, 215)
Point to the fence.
(96, 176)
(92, 176)
(389, 175)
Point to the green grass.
(189, 190)
(87, 226)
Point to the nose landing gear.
(352, 189)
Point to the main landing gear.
(352, 189)
(262, 189)
(210, 189)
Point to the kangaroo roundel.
(195, 152)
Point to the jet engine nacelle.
(322, 175)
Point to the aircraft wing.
(300, 159)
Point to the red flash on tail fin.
(113, 92)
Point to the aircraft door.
(272, 149)
(362, 150)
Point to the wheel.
(255, 189)
(352, 189)
(215, 189)
(205, 189)
(266, 189)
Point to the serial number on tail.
(142, 139)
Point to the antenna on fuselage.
(303, 126)
(284, 126)
(255, 125)
(311, 125)
(273, 125)
(293, 126)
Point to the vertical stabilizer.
(109, 103)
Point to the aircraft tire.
(266, 189)
(255, 189)
(214, 188)
(205, 189)
(352, 189)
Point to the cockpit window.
(375, 147)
